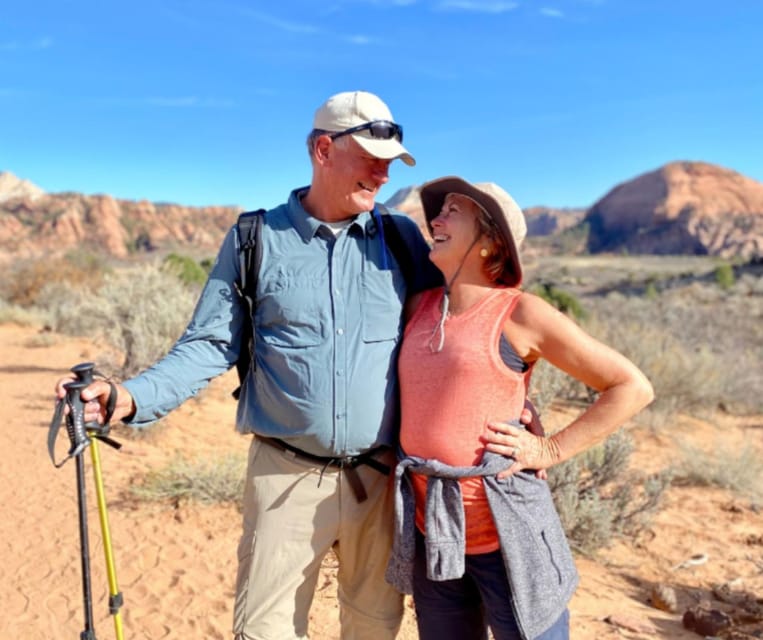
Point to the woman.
(485, 547)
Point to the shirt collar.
(307, 226)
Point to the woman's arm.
(538, 330)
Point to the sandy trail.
(176, 565)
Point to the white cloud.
(551, 13)
(477, 6)
(283, 25)
(32, 45)
(361, 40)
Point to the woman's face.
(454, 229)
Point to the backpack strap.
(418, 276)
(393, 238)
(249, 230)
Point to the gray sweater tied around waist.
(539, 563)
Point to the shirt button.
(339, 372)
(340, 332)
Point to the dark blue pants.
(463, 609)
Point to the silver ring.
(515, 452)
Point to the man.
(322, 392)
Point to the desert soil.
(175, 563)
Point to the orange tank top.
(447, 398)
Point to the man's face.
(354, 176)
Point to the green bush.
(187, 269)
(724, 276)
(559, 298)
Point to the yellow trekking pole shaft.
(115, 597)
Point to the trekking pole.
(82, 435)
(85, 373)
(75, 427)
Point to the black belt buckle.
(348, 464)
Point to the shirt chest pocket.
(382, 294)
(290, 313)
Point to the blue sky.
(209, 102)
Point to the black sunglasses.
(381, 129)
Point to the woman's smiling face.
(455, 228)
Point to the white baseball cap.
(368, 120)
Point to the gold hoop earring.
(484, 252)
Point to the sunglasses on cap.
(380, 129)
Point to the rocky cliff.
(33, 223)
(681, 208)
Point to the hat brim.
(385, 149)
(433, 196)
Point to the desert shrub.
(186, 268)
(687, 369)
(559, 298)
(41, 340)
(67, 308)
(650, 291)
(208, 480)
(139, 311)
(549, 384)
(724, 276)
(16, 314)
(739, 470)
(27, 280)
(598, 499)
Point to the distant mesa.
(681, 208)
(547, 221)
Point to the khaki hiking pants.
(294, 513)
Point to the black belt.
(348, 463)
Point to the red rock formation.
(681, 208)
(54, 224)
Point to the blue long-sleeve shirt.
(328, 322)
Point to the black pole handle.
(75, 420)
(84, 371)
(79, 431)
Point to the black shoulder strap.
(249, 229)
(397, 244)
